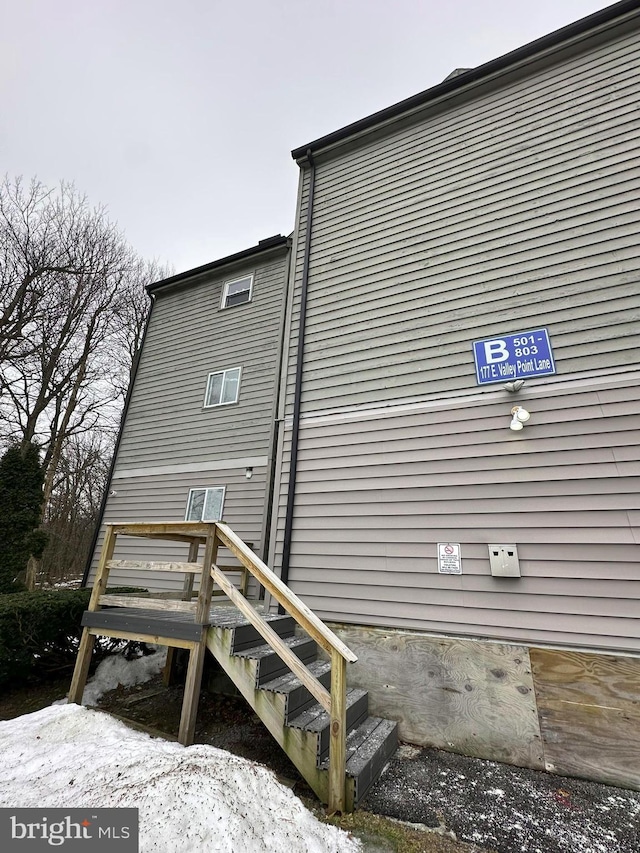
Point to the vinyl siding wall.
(162, 498)
(188, 338)
(509, 211)
(170, 443)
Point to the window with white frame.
(205, 504)
(223, 387)
(237, 292)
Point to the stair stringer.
(300, 746)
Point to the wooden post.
(83, 660)
(188, 578)
(191, 694)
(169, 673)
(338, 732)
(197, 653)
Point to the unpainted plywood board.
(471, 697)
(589, 709)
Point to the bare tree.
(44, 234)
(74, 505)
(72, 313)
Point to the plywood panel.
(457, 694)
(589, 709)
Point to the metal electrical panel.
(504, 561)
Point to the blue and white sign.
(523, 355)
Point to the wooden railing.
(334, 701)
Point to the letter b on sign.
(495, 351)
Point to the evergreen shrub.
(40, 632)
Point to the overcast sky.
(180, 115)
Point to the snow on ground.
(116, 670)
(191, 799)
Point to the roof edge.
(267, 245)
(501, 63)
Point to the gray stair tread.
(227, 617)
(315, 718)
(363, 743)
(288, 683)
(366, 751)
(258, 652)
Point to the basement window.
(205, 504)
(237, 292)
(223, 387)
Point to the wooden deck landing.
(166, 624)
(304, 702)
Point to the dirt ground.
(427, 801)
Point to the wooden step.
(245, 635)
(369, 747)
(315, 719)
(297, 697)
(269, 665)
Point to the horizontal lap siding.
(510, 208)
(377, 491)
(188, 338)
(161, 499)
(514, 210)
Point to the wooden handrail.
(318, 691)
(154, 566)
(335, 703)
(305, 617)
(211, 534)
(147, 603)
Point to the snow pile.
(192, 799)
(116, 670)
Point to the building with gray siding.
(197, 439)
(501, 203)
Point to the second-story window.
(223, 387)
(237, 292)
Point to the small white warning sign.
(449, 559)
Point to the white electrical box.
(504, 561)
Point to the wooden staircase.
(291, 669)
(296, 720)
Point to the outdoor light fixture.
(248, 473)
(519, 417)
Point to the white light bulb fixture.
(519, 416)
(248, 473)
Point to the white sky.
(180, 116)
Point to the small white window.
(205, 504)
(237, 292)
(223, 387)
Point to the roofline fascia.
(563, 36)
(270, 245)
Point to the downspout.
(125, 409)
(276, 421)
(297, 394)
